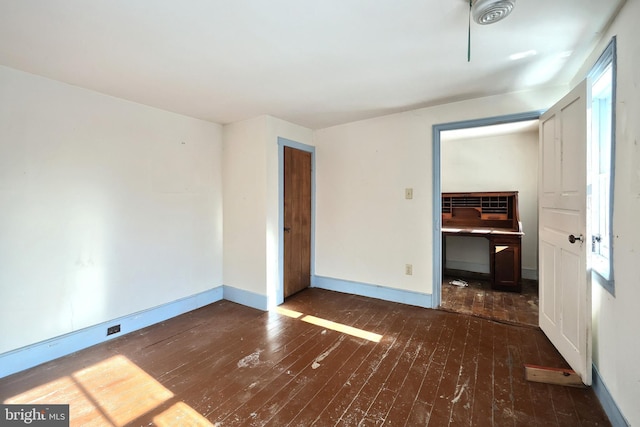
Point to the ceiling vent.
(490, 11)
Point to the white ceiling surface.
(314, 63)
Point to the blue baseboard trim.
(606, 400)
(248, 298)
(27, 357)
(373, 291)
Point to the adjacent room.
(499, 162)
(251, 213)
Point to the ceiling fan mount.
(490, 11)
(487, 12)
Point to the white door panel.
(570, 273)
(548, 166)
(565, 288)
(547, 283)
(559, 221)
(573, 156)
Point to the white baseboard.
(527, 273)
(468, 266)
(530, 273)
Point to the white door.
(565, 286)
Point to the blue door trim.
(437, 184)
(283, 142)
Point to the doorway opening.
(484, 156)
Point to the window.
(601, 165)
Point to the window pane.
(599, 161)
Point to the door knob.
(287, 229)
(573, 239)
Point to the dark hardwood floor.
(323, 359)
(478, 299)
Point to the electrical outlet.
(408, 269)
(408, 193)
(113, 330)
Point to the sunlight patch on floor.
(360, 333)
(121, 389)
(339, 327)
(180, 415)
(112, 392)
(288, 313)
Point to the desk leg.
(444, 254)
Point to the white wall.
(496, 163)
(96, 193)
(245, 194)
(616, 340)
(366, 231)
(251, 202)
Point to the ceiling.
(316, 64)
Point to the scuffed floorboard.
(478, 299)
(366, 362)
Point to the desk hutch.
(494, 216)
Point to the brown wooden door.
(297, 220)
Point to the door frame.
(284, 142)
(436, 298)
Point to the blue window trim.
(609, 56)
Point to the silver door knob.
(573, 239)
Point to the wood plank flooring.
(478, 299)
(323, 359)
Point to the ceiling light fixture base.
(489, 11)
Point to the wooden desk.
(505, 256)
(494, 216)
